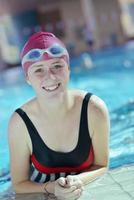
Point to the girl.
(59, 139)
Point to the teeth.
(51, 88)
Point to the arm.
(19, 158)
(99, 125)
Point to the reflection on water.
(122, 135)
(10, 195)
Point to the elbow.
(105, 167)
(17, 188)
(105, 163)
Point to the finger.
(78, 184)
(77, 193)
(73, 180)
(74, 195)
(69, 180)
(62, 181)
(67, 190)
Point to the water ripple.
(122, 135)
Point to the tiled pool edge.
(114, 185)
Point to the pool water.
(111, 78)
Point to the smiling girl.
(59, 139)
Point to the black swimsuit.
(49, 165)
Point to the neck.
(54, 109)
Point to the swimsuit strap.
(30, 126)
(84, 119)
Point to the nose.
(49, 74)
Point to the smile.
(51, 88)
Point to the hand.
(71, 181)
(69, 188)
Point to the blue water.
(111, 78)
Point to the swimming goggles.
(54, 51)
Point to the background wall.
(66, 18)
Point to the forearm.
(92, 174)
(33, 187)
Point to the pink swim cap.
(40, 40)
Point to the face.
(49, 78)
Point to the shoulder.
(98, 115)
(16, 126)
(17, 133)
(16, 123)
(97, 106)
(97, 111)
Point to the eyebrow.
(41, 65)
(38, 65)
(56, 62)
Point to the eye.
(38, 70)
(58, 66)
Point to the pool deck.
(117, 184)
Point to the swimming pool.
(111, 78)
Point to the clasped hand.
(69, 188)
